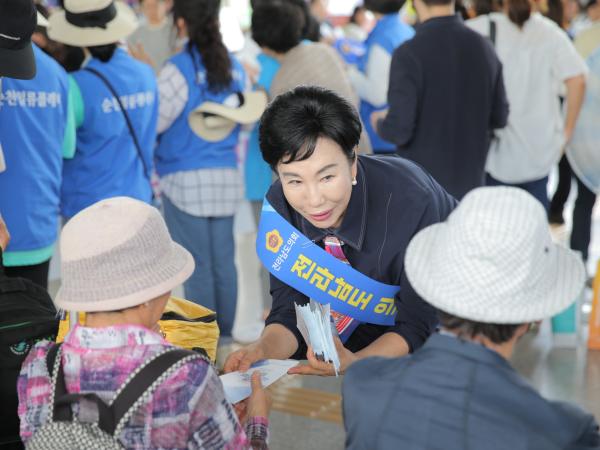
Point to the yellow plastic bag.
(184, 323)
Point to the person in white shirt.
(537, 59)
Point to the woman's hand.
(322, 368)
(243, 358)
(259, 403)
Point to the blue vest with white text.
(179, 148)
(33, 115)
(388, 34)
(106, 162)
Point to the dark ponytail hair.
(519, 11)
(201, 18)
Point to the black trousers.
(582, 213)
(37, 273)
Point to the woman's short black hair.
(384, 6)
(468, 329)
(294, 121)
(277, 26)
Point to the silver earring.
(354, 182)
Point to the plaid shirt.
(205, 192)
(187, 411)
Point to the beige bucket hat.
(117, 254)
(493, 261)
(214, 121)
(86, 23)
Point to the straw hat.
(86, 23)
(493, 261)
(117, 254)
(214, 121)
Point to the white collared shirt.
(537, 59)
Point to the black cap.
(18, 19)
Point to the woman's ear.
(354, 166)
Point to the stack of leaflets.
(314, 322)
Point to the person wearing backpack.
(115, 104)
(129, 388)
(27, 315)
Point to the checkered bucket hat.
(493, 261)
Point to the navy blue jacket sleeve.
(403, 98)
(283, 311)
(416, 319)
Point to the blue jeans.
(537, 188)
(210, 241)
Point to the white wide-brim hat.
(213, 121)
(493, 261)
(87, 23)
(117, 254)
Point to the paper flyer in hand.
(237, 384)
(314, 322)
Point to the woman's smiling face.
(320, 186)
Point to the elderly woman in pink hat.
(119, 266)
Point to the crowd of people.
(411, 147)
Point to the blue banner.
(300, 263)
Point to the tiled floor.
(306, 413)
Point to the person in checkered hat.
(491, 269)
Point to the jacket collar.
(435, 21)
(470, 350)
(354, 224)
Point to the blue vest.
(33, 115)
(106, 162)
(258, 173)
(389, 33)
(179, 148)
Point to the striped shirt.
(188, 410)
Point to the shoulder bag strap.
(62, 400)
(129, 125)
(143, 380)
(51, 358)
(492, 31)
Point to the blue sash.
(300, 263)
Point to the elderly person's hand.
(322, 368)
(4, 235)
(259, 403)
